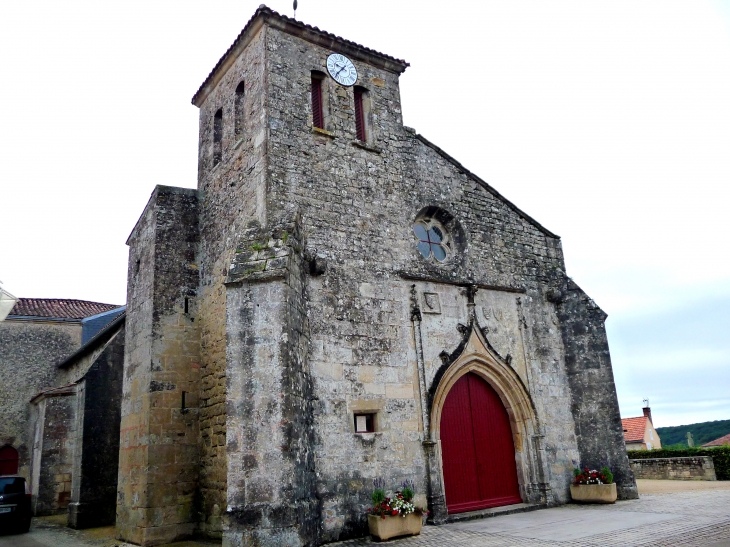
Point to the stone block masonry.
(159, 448)
(54, 430)
(96, 458)
(270, 425)
(29, 351)
(233, 195)
(697, 468)
(294, 279)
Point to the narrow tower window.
(218, 137)
(317, 110)
(238, 105)
(360, 111)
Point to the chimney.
(647, 413)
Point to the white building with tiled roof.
(639, 432)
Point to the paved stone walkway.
(647, 486)
(681, 514)
(698, 518)
(53, 532)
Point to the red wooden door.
(477, 448)
(8, 460)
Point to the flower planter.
(390, 527)
(593, 493)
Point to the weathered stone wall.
(270, 425)
(74, 370)
(593, 393)
(29, 351)
(55, 441)
(96, 457)
(358, 205)
(159, 452)
(696, 468)
(329, 328)
(233, 194)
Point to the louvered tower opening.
(317, 110)
(360, 114)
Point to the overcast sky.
(608, 122)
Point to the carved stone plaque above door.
(431, 303)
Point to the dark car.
(14, 504)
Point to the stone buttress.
(159, 445)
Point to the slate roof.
(100, 338)
(719, 442)
(309, 32)
(58, 308)
(634, 429)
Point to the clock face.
(342, 69)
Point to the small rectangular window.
(317, 110)
(364, 423)
(360, 114)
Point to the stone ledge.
(366, 146)
(495, 512)
(320, 131)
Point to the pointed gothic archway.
(477, 450)
(479, 390)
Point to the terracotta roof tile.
(719, 442)
(58, 308)
(266, 11)
(634, 429)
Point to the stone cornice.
(267, 16)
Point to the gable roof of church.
(484, 184)
(312, 34)
(57, 308)
(634, 429)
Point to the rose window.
(433, 240)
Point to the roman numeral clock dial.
(341, 69)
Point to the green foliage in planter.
(607, 473)
(407, 490)
(720, 457)
(378, 495)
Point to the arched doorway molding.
(478, 357)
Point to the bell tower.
(287, 111)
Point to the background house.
(722, 441)
(48, 347)
(639, 432)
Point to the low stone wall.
(698, 468)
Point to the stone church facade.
(340, 300)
